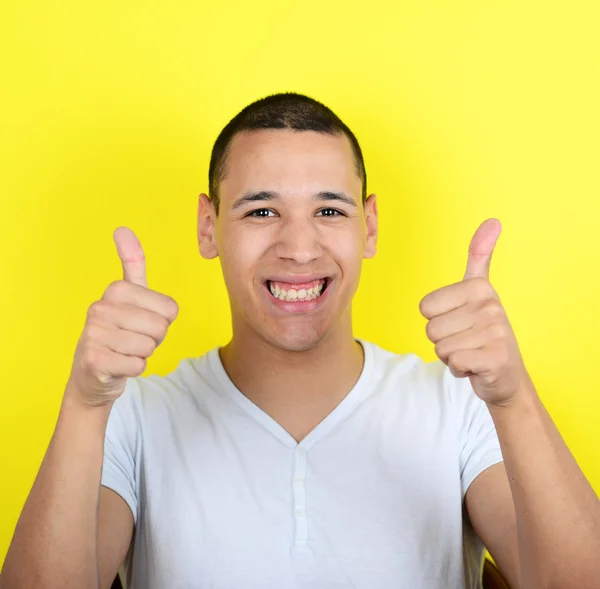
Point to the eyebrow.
(265, 195)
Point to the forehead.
(289, 161)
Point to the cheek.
(348, 247)
(240, 252)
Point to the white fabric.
(224, 498)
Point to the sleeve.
(122, 447)
(478, 441)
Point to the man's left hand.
(470, 329)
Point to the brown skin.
(536, 512)
(313, 353)
(298, 368)
(55, 541)
(540, 522)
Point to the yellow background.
(464, 110)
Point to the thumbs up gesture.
(470, 329)
(122, 329)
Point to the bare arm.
(115, 528)
(536, 513)
(556, 516)
(557, 511)
(491, 511)
(55, 541)
(72, 534)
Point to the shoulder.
(428, 382)
(406, 369)
(175, 391)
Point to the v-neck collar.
(354, 397)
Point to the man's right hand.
(122, 329)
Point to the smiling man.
(297, 456)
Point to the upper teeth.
(301, 294)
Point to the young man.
(297, 456)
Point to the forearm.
(558, 512)
(55, 543)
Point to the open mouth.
(297, 293)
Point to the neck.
(303, 387)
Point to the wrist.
(74, 403)
(523, 402)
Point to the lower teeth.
(297, 299)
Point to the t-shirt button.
(302, 450)
(298, 482)
(300, 512)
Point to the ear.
(372, 223)
(207, 219)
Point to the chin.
(296, 340)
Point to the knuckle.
(149, 346)
(452, 364)
(481, 287)
(156, 330)
(431, 331)
(493, 308)
(94, 358)
(440, 349)
(139, 364)
(116, 289)
(454, 360)
(96, 310)
(93, 333)
(163, 326)
(110, 289)
(131, 366)
(171, 309)
(497, 330)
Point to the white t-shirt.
(224, 498)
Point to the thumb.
(132, 256)
(482, 248)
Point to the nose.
(298, 240)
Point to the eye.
(260, 213)
(329, 212)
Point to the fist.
(470, 328)
(122, 329)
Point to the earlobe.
(372, 225)
(370, 250)
(206, 228)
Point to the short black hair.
(286, 110)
